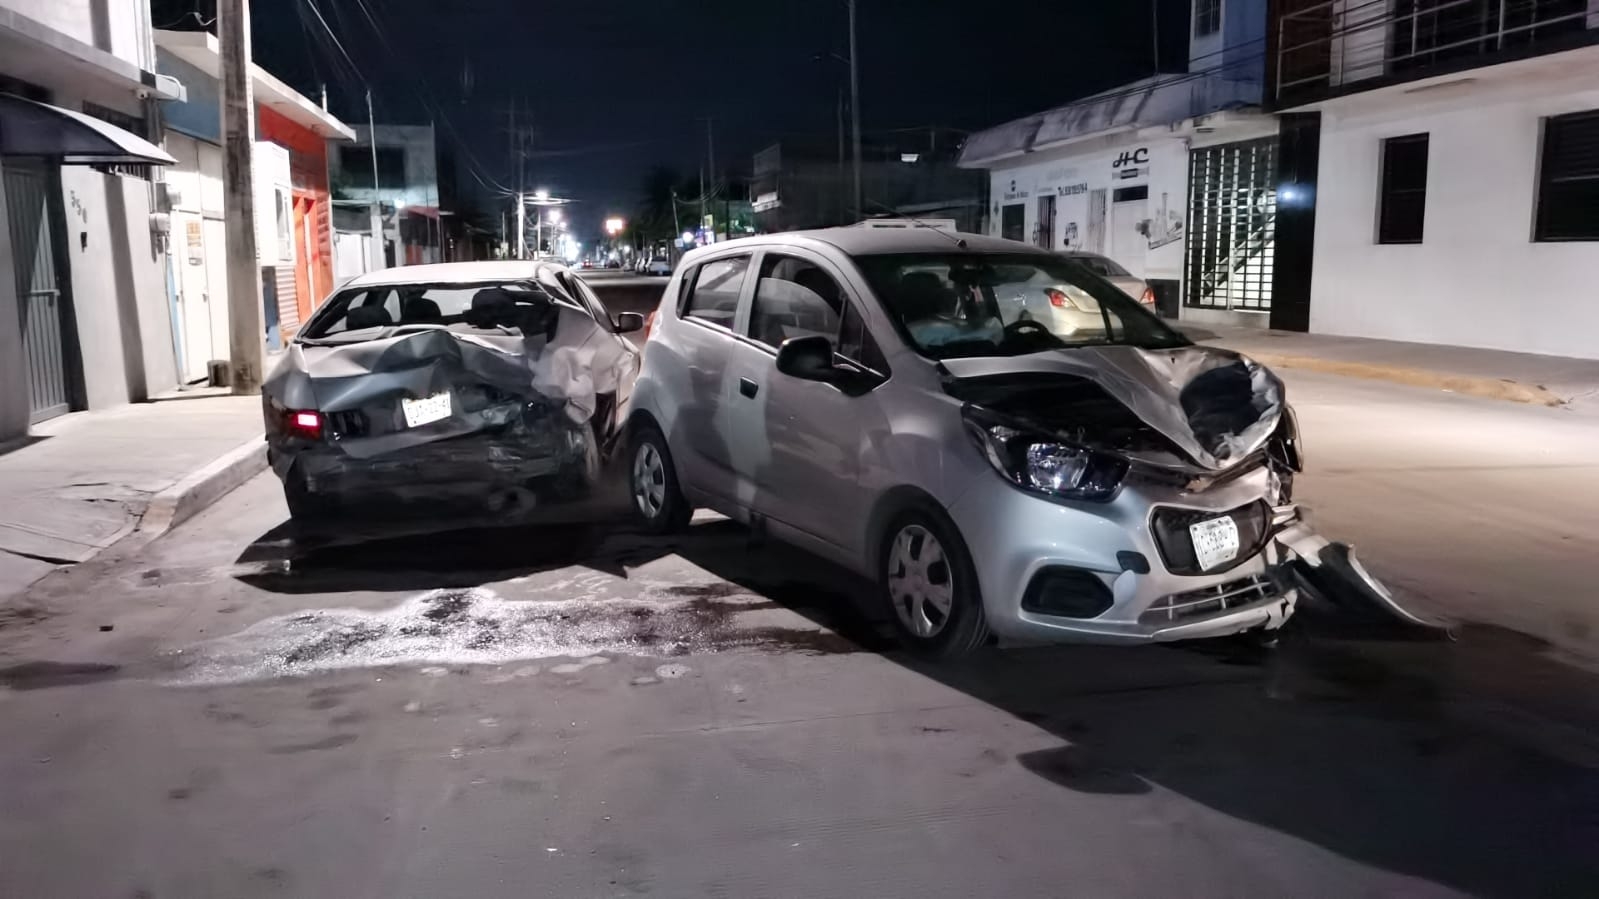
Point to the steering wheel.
(1027, 324)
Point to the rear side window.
(794, 298)
(1101, 266)
(716, 287)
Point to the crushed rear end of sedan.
(455, 395)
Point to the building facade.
(1452, 154)
(294, 236)
(1172, 176)
(85, 320)
(798, 184)
(406, 188)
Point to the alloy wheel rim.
(920, 584)
(649, 481)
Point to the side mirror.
(807, 358)
(628, 322)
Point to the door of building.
(1044, 236)
(42, 303)
(194, 298)
(1013, 222)
(1128, 213)
(1096, 221)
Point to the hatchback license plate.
(1215, 541)
(426, 410)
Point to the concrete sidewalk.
(1558, 381)
(83, 481)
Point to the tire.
(652, 483)
(924, 535)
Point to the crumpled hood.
(1215, 405)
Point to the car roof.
(487, 271)
(865, 241)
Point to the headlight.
(1044, 464)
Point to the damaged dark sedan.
(473, 392)
(917, 406)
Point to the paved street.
(582, 713)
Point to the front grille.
(1170, 528)
(1217, 598)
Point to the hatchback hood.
(1216, 406)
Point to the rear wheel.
(929, 581)
(657, 501)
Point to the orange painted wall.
(308, 169)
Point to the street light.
(541, 194)
(614, 226)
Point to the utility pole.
(375, 211)
(1154, 25)
(246, 329)
(710, 163)
(838, 192)
(702, 199)
(855, 107)
(521, 226)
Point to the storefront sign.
(1072, 190)
(1014, 194)
(1130, 164)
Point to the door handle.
(748, 388)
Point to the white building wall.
(1477, 279)
(1073, 175)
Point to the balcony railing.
(1339, 42)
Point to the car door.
(797, 445)
(703, 342)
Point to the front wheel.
(928, 579)
(657, 501)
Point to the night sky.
(613, 87)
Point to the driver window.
(794, 298)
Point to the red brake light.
(1148, 299)
(1057, 299)
(306, 424)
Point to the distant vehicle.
(588, 263)
(869, 396)
(613, 263)
(659, 265)
(1106, 268)
(467, 392)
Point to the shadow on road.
(1446, 762)
(1404, 756)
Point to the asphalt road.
(590, 713)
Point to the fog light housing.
(1067, 593)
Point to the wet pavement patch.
(43, 675)
(478, 627)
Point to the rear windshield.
(1100, 265)
(512, 306)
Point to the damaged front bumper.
(1099, 573)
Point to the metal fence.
(1232, 216)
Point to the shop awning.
(71, 138)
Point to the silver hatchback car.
(881, 398)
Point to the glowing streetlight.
(614, 226)
(541, 194)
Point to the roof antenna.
(958, 241)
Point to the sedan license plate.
(426, 410)
(1215, 541)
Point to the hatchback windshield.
(370, 310)
(991, 304)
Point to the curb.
(1502, 389)
(180, 502)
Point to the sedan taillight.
(305, 423)
(1148, 299)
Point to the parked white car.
(658, 265)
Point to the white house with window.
(1173, 177)
(1457, 199)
